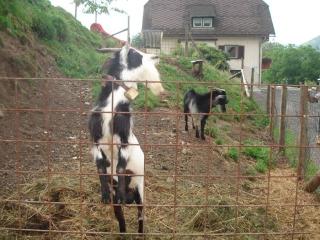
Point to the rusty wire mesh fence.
(193, 189)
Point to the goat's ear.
(108, 50)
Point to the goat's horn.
(108, 50)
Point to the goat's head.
(219, 97)
(129, 64)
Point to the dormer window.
(202, 22)
(202, 16)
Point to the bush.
(43, 26)
(214, 56)
(137, 41)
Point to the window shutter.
(241, 52)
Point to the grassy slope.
(175, 70)
(72, 45)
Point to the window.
(234, 51)
(197, 22)
(207, 22)
(202, 22)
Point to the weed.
(260, 154)
(233, 153)
(212, 132)
(219, 141)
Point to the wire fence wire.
(194, 189)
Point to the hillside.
(315, 43)
(37, 40)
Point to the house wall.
(252, 55)
(252, 52)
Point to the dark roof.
(231, 17)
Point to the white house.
(238, 27)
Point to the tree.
(137, 41)
(98, 6)
(77, 4)
(291, 64)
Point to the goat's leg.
(203, 123)
(186, 110)
(138, 200)
(121, 168)
(186, 122)
(119, 215)
(192, 123)
(102, 164)
(197, 120)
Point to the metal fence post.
(252, 82)
(303, 131)
(272, 110)
(268, 99)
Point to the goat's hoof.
(121, 201)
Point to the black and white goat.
(116, 150)
(200, 105)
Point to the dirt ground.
(180, 169)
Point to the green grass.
(151, 102)
(71, 44)
(260, 154)
(174, 70)
(292, 154)
(233, 153)
(212, 131)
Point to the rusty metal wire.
(175, 175)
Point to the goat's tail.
(188, 96)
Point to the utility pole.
(128, 30)
(95, 13)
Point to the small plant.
(233, 153)
(260, 154)
(219, 141)
(212, 132)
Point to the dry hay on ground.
(63, 210)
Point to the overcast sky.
(295, 21)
